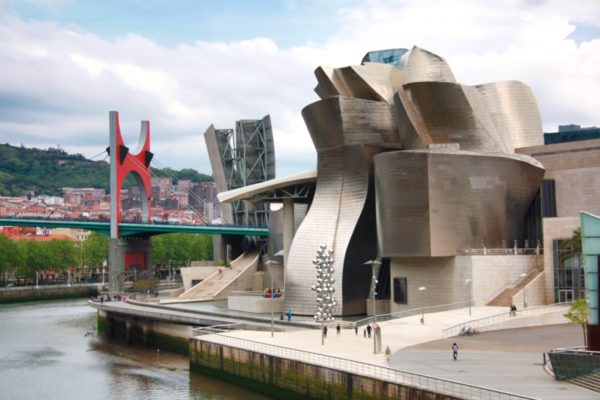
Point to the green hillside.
(48, 171)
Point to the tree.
(578, 315)
(571, 247)
(181, 248)
(95, 250)
(10, 254)
(36, 258)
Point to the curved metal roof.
(264, 191)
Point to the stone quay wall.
(290, 379)
(46, 293)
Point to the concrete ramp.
(224, 280)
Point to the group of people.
(116, 297)
(269, 292)
(338, 329)
(289, 315)
(513, 310)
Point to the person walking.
(356, 330)
(454, 351)
(289, 315)
(369, 331)
(338, 329)
(325, 331)
(388, 354)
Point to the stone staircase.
(589, 381)
(220, 279)
(505, 298)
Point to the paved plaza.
(507, 360)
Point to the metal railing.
(575, 350)
(411, 312)
(208, 330)
(33, 287)
(508, 251)
(437, 385)
(476, 324)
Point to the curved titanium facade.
(346, 133)
(432, 204)
(434, 155)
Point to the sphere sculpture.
(324, 288)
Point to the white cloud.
(57, 83)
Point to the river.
(50, 350)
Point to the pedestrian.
(325, 331)
(369, 331)
(365, 333)
(356, 330)
(514, 310)
(281, 317)
(338, 329)
(388, 354)
(289, 315)
(454, 351)
(101, 299)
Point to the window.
(400, 294)
(548, 198)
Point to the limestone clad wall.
(445, 278)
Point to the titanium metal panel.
(338, 121)
(447, 115)
(433, 203)
(514, 111)
(370, 82)
(424, 66)
(337, 217)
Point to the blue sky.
(184, 65)
(288, 23)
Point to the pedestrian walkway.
(506, 360)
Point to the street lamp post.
(469, 282)
(272, 294)
(324, 289)
(422, 289)
(374, 282)
(523, 275)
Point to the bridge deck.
(128, 228)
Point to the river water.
(50, 350)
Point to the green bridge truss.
(133, 229)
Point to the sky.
(184, 65)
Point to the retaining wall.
(46, 293)
(282, 378)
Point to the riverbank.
(31, 293)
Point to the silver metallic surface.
(241, 158)
(434, 203)
(215, 141)
(437, 158)
(424, 66)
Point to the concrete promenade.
(507, 360)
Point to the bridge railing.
(438, 385)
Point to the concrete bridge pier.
(128, 257)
